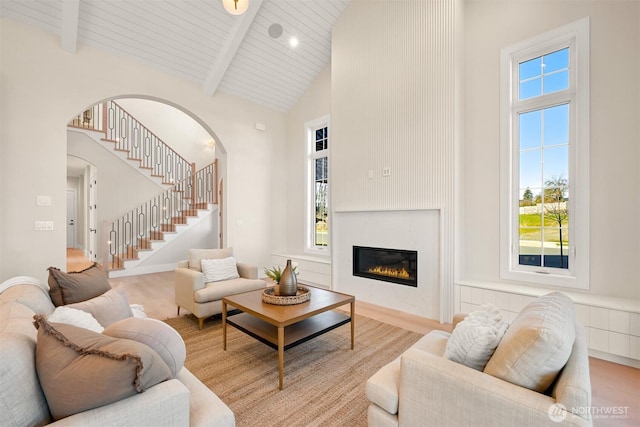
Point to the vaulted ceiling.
(199, 41)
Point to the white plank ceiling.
(199, 41)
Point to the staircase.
(191, 196)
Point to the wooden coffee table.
(284, 326)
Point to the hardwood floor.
(614, 387)
(76, 261)
(153, 291)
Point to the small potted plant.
(275, 273)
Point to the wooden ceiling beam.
(69, 30)
(230, 48)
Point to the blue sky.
(544, 134)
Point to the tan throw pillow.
(161, 337)
(107, 308)
(216, 270)
(67, 288)
(537, 344)
(80, 369)
(197, 255)
(475, 338)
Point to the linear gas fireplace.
(390, 265)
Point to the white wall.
(121, 188)
(43, 87)
(614, 148)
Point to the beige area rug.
(324, 380)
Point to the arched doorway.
(180, 130)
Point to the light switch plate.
(43, 226)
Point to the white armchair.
(205, 299)
(423, 388)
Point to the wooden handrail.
(150, 131)
(140, 143)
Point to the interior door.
(93, 213)
(72, 217)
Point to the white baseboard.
(621, 360)
(147, 269)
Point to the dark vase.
(288, 285)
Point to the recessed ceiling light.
(293, 41)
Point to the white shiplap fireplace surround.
(396, 130)
(416, 230)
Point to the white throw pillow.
(215, 270)
(474, 339)
(138, 311)
(73, 316)
(197, 255)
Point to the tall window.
(318, 172)
(544, 108)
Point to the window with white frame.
(545, 158)
(318, 185)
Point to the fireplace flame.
(398, 273)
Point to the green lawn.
(530, 229)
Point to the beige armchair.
(204, 299)
(423, 388)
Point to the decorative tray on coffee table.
(269, 297)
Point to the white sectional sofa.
(181, 401)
